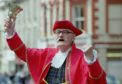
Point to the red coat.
(39, 61)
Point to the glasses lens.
(63, 32)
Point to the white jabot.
(59, 58)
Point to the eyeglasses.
(63, 32)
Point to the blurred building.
(101, 21)
(107, 34)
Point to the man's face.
(64, 37)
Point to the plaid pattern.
(56, 75)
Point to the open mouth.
(61, 40)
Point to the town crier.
(65, 64)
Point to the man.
(65, 64)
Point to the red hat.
(65, 24)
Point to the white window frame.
(78, 19)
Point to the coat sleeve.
(96, 74)
(34, 57)
(16, 45)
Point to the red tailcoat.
(39, 61)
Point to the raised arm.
(96, 74)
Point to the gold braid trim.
(96, 78)
(18, 47)
(44, 81)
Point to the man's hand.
(89, 51)
(9, 26)
(10, 22)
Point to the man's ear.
(73, 37)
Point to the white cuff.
(91, 61)
(9, 36)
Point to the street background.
(101, 21)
